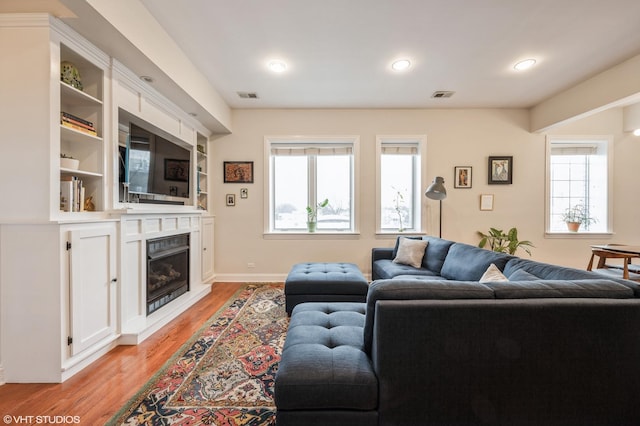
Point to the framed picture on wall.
(238, 172)
(462, 177)
(500, 170)
(486, 202)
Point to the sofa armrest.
(381, 253)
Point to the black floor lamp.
(437, 191)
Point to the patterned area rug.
(225, 374)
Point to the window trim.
(420, 181)
(354, 140)
(547, 195)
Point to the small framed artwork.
(231, 200)
(501, 170)
(176, 170)
(238, 172)
(462, 178)
(244, 193)
(486, 202)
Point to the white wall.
(454, 138)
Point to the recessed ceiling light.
(277, 66)
(636, 132)
(146, 78)
(401, 65)
(524, 65)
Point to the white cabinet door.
(207, 248)
(93, 286)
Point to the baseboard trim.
(241, 278)
(257, 278)
(2, 382)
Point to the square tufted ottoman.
(324, 282)
(324, 376)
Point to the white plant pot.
(69, 163)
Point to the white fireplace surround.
(135, 230)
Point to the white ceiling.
(339, 51)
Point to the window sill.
(578, 235)
(318, 235)
(394, 234)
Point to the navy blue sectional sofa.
(434, 346)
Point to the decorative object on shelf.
(238, 172)
(504, 243)
(437, 191)
(231, 200)
(501, 170)
(89, 205)
(486, 202)
(244, 193)
(68, 162)
(312, 215)
(69, 74)
(576, 216)
(176, 170)
(201, 149)
(462, 177)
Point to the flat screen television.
(157, 169)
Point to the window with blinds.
(399, 183)
(304, 171)
(578, 175)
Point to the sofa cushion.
(467, 263)
(545, 270)
(598, 288)
(522, 275)
(492, 274)
(410, 252)
(418, 289)
(323, 365)
(386, 269)
(435, 254)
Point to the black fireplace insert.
(167, 270)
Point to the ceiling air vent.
(442, 94)
(248, 95)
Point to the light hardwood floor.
(99, 391)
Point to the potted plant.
(576, 216)
(504, 243)
(312, 215)
(399, 200)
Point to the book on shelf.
(74, 118)
(78, 128)
(77, 123)
(72, 194)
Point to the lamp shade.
(436, 191)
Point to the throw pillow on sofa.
(492, 275)
(410, 252)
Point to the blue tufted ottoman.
(324, 376)
(324, 282)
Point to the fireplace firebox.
(167, 270)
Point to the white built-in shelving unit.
(72, 281)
